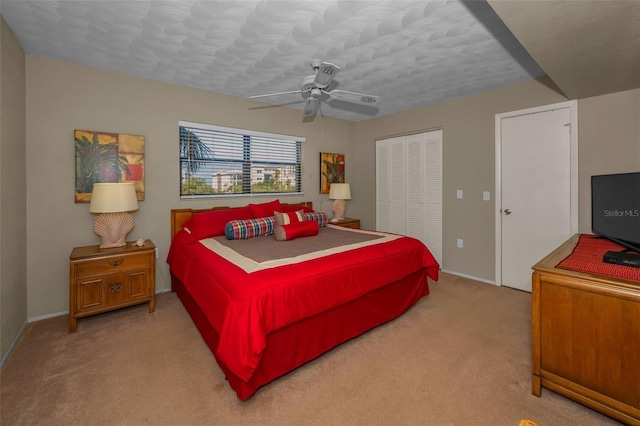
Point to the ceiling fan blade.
(359, 98)
(311, 107)
(325, 73)
(275, 94)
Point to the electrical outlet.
(157, 254)
(460, 243)
(459, 193)
(486, 196)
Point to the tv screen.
(615, 208)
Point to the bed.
(266, 306)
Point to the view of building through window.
(222, 161)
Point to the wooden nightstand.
(348, 222)
(101, 280)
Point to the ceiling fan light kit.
(316, 85)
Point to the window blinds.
(222, 161)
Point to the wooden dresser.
(101, 280)
(586, 337)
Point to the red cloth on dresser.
(587, 257)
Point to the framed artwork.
(331, 170)
(107, 157)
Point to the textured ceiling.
(410, 53)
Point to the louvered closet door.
(414, 201)
(390, 185)
(424, 190)
(409, 188)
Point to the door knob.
(507, 211)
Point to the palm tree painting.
(107, 157)
(331, 170)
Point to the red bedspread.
(244, 307)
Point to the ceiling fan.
(317, 84)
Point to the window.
(221, 161)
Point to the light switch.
(459, 193)
(486, 196)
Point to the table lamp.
(339, 192)
(113, 201)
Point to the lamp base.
(113, 229)
(338, 210)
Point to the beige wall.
(609, 141)
(609, 133)
(62, 96)
(468, 164)
(13, 188)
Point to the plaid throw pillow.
(249, 228)
(320, 217)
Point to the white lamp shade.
(113, 198)
(340, 191)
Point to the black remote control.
(622, 258)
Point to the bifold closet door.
(409, 187)
(424, 190)
(390, 185)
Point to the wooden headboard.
(180, 216)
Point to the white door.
(536, 210)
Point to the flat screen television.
(615, 208)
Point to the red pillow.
(211, 224)
(292, 231)
(288, 208)
(264, 209)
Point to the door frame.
(573, 108)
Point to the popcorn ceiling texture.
(410, 53)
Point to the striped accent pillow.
(249, 228)
(288, 218)
(320, 217)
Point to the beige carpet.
(461, 356)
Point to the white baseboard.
(469, 276)
(43, 317)
(13, 344)
(57, 314)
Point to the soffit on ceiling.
(410, 53)
(587, 48)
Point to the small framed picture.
(331, 170)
